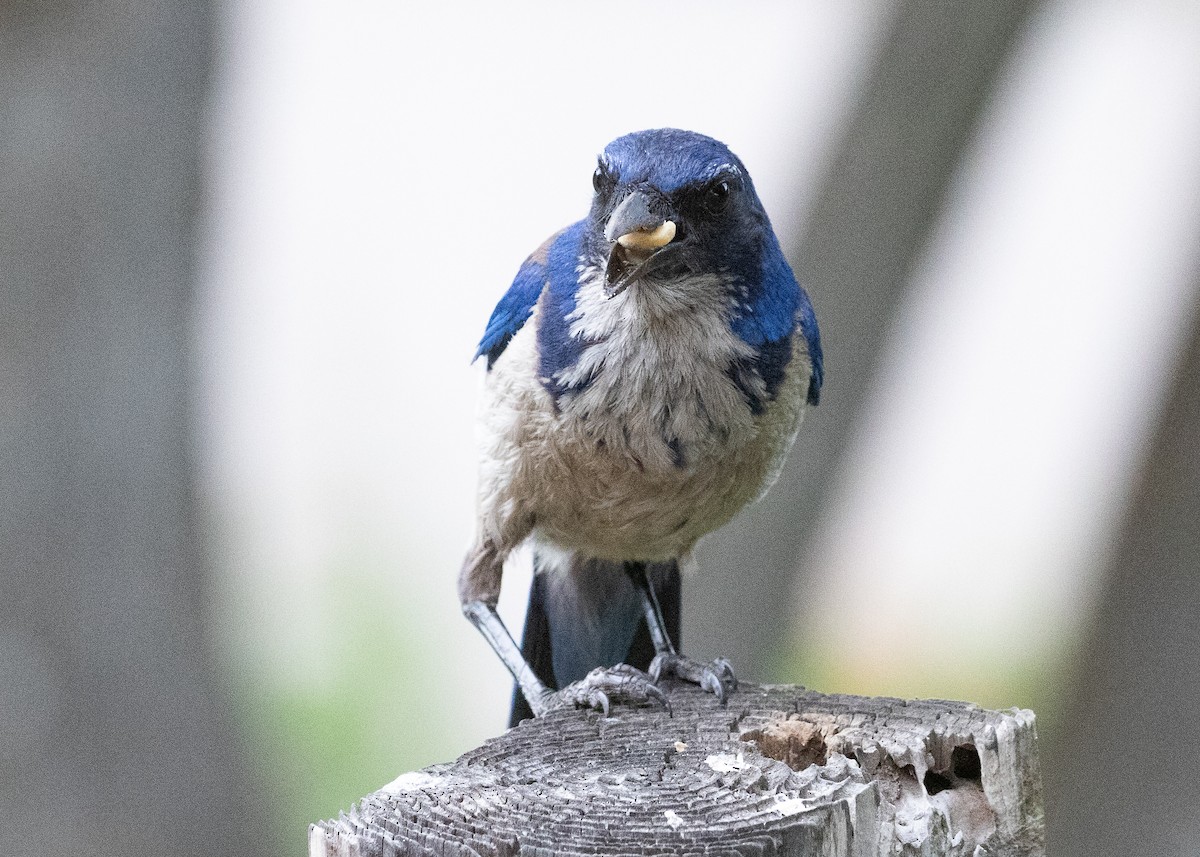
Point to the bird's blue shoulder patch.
(516, 306)
(769, 304)
(769, 310)
(812, 338)
(769, 299)
(557, 349)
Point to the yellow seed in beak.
(660, 236)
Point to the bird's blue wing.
(516, 306)
(812, 337)
(773, 307)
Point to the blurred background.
(247, 250)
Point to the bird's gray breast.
(653, 382)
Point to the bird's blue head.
(673, 203)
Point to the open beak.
(639, 227)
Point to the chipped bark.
(781, 771)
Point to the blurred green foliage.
(983, 677)
(375, 713)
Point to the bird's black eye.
(602, 180)
(716, 197)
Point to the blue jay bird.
(646, 375)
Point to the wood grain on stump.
(781, 770)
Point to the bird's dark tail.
(586, 613)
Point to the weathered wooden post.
(780, 771)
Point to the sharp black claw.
(713, 684)
(655, 692)
(726, 673)
(717, 677)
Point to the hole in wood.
(796, 743)
(964, 762)
(935, 782)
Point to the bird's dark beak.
(638, 228)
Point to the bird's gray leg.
(716, 677)
(479, 590)
(485, 618)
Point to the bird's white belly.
(608, 507)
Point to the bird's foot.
(716, 676)
(606, 685)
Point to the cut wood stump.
(780, 771)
